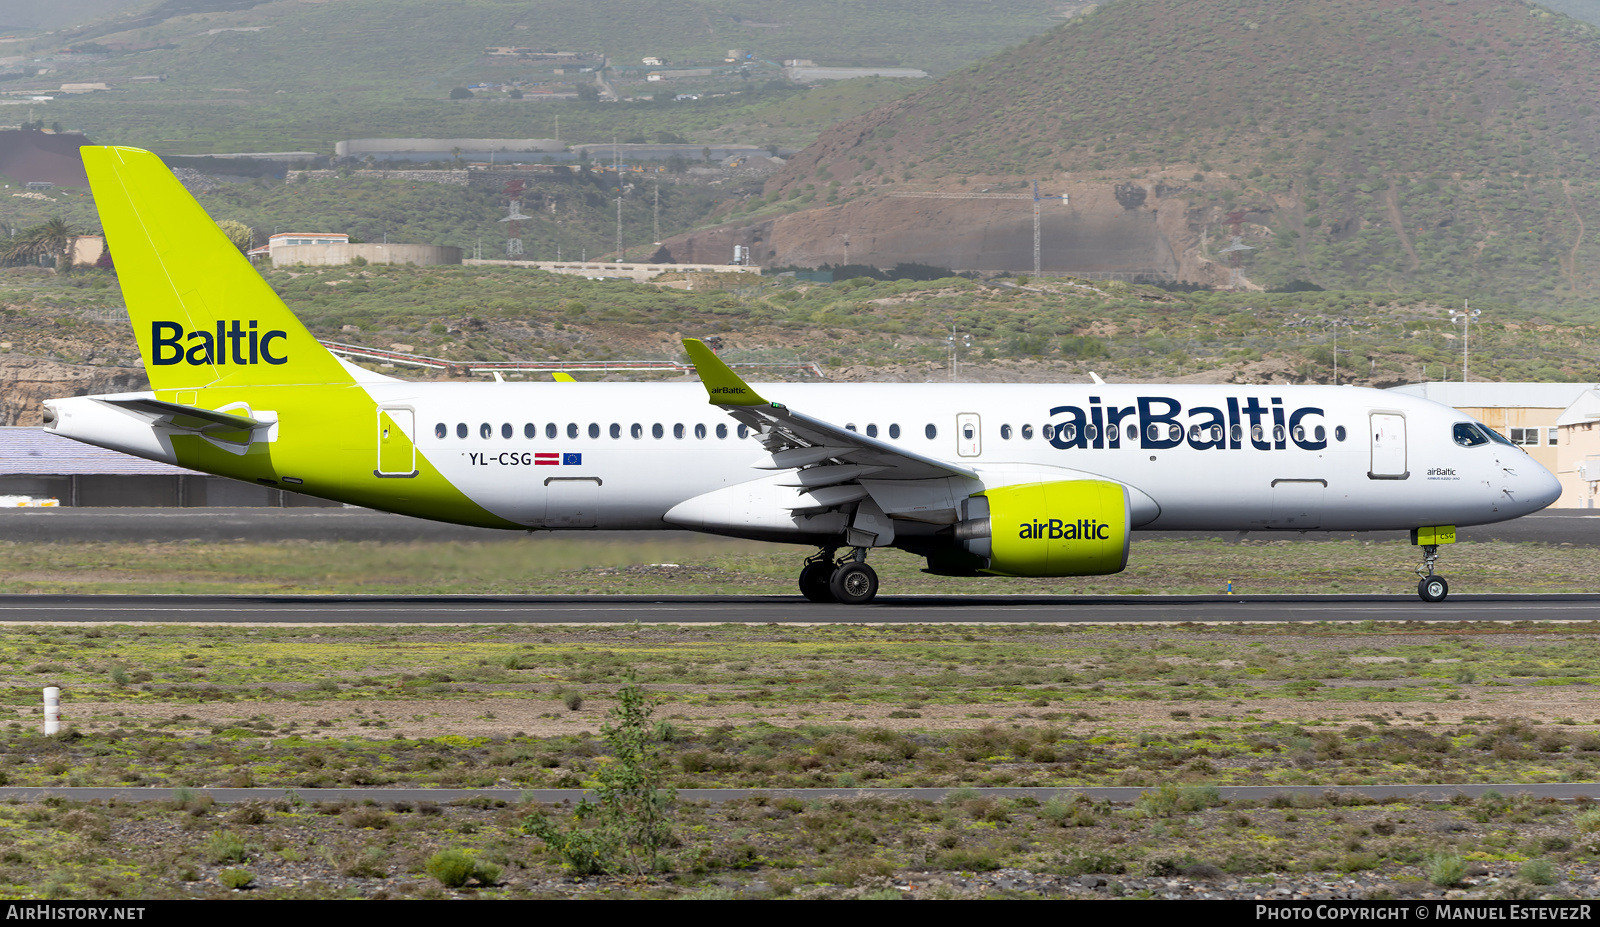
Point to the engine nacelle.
(1067, 528)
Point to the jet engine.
(1066, 528)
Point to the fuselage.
(622, 456)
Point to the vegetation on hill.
(243, 76)
(1385, 144)
(864, 329)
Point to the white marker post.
(52, 710)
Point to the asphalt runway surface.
(63, 525)
(707, 610)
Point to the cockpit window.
(1468, 434)
(1497, 437)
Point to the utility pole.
(1465, 317)
(955, 350)
(621, 255)
(658, 214)
(1036, 229)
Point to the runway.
(68, 525)
(908, 610)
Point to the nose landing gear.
(848, 581)
(1431, 587)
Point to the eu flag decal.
(571, 460)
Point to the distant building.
(285, 239)
(799, 63)
(654, 62)
(86, 249)
(37, 466)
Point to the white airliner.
(1019, 480)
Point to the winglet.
(561, 377)
(723, 385)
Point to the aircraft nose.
(1543, 488)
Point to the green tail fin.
(202, 315)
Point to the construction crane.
(1066, 199)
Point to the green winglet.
(723, 385)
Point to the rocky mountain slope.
(1356, 143)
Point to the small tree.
(242, 236)
(630, 820)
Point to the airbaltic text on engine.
(1208, 426)
(1056, 529)
(248, 345)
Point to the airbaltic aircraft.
(1008, 480)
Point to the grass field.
(545, 565)
(1176, 709)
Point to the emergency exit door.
(1388, 430)
(397, 453)
(969, 435)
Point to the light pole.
(965, 341)
(1465, 317)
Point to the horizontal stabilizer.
(187, 418)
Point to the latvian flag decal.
(552, 459)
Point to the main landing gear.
(848, 581)
(1432, 588)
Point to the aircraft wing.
(830, 453)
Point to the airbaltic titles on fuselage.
(1230, 427)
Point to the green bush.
(1588, 822)
(455, 868)
(237, 879)
(226, 847)
(1446, 871)
(1538, 872)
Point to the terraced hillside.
(1369, 143)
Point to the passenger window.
(550, 430)
(1277, 433)
(700, 431)
(440, 430)
(656, 431)
(1005, 432)
(485, 430)
(1069, 432)
(1338, 433)
(722, 431)
(1155, 431)
(894, 431)
(872, 431)
(1048, 432)
(1299, 434)
(616, 430)
(594, 430)
(967, 431)
(677, 431)
(1257, 433)
(1216, 433)
(505, 431)
(530, 430)
(1321, 433)
(637, 431)
(572, 429)
(1237, 433)
(1194, 432)
(850, 426)
(932, 431)
(1027, 432)
(1092, 430)
(1133, 432)
(461, 429)
(744, 431)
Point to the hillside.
(62, 335)
(1441, 144)
(290, 75)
